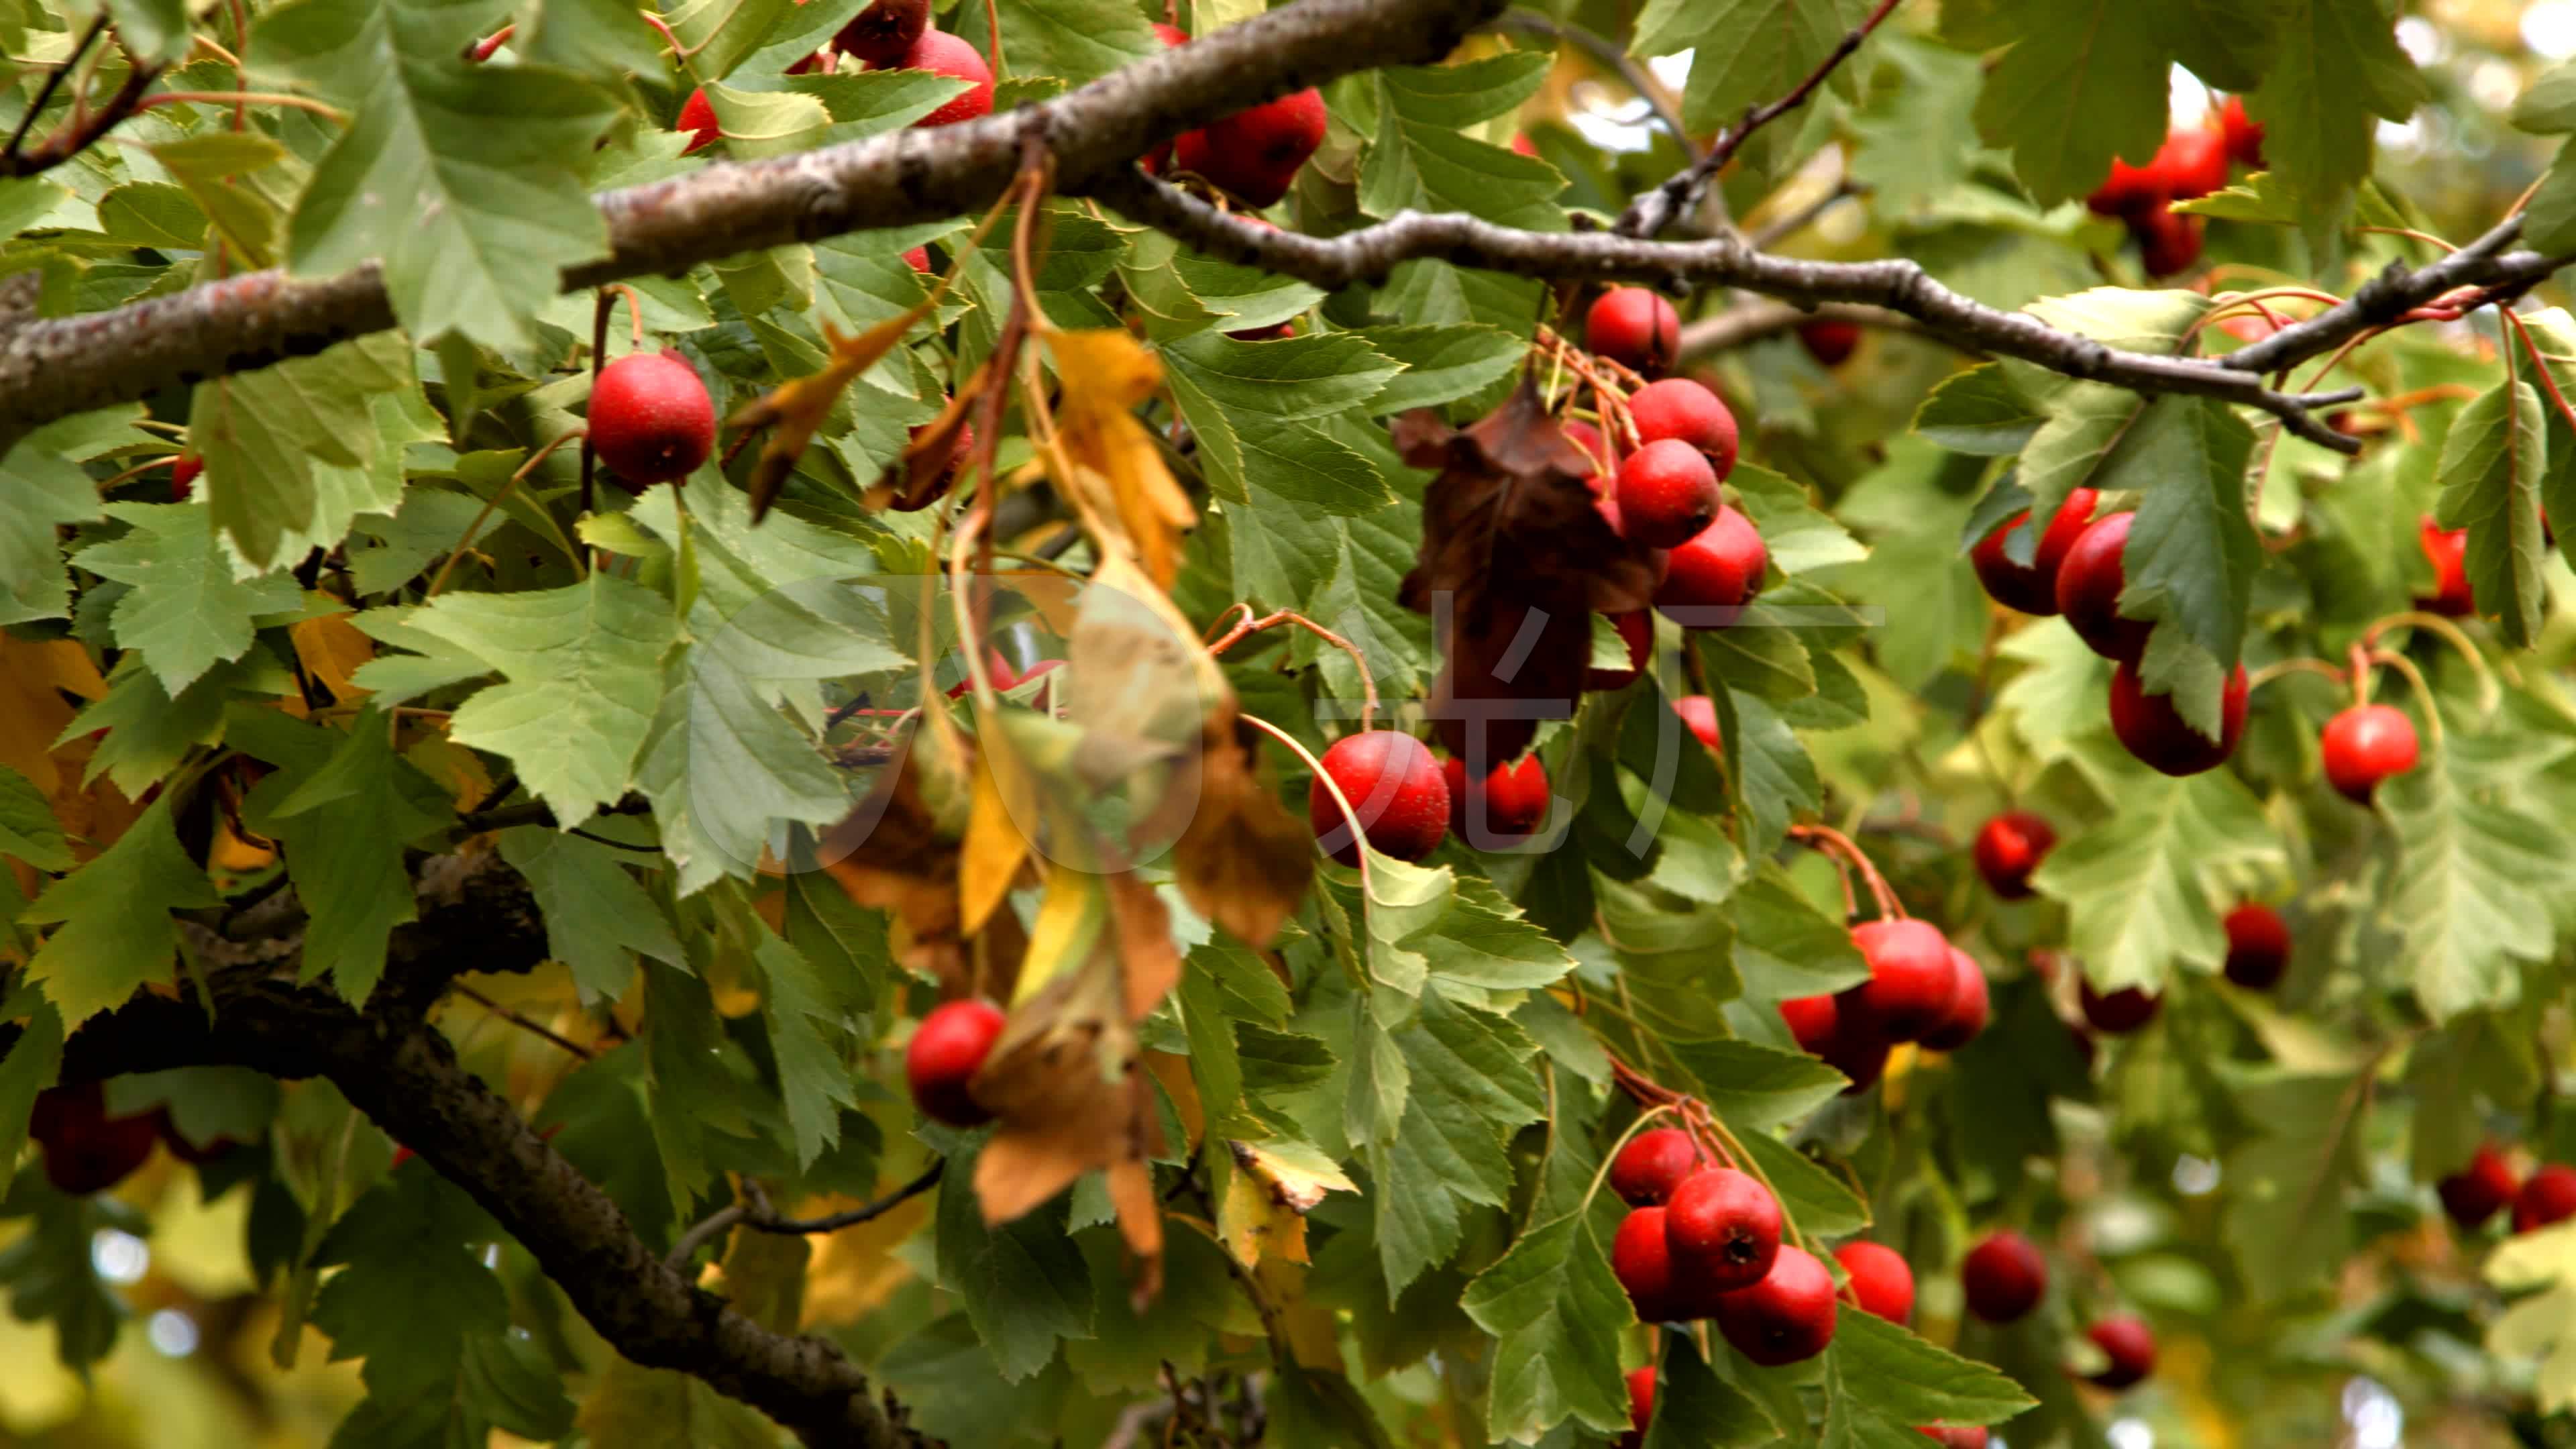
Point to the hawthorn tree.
(661, 665)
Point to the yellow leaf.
(1067, 927)
(1119, 481)
(2543, 1325)
(995, 847)
(332, 649)
(33, 677)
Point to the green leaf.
(815, 1076)
(32, 1063)
(2083, 82)
(1556, 1310)
(598, 918)
(2476, 874)
(1979, 411)
(2337, 67)
(1799, 535)
(1908, 1381)
(343, 831)
(2230, 46)
(1441, 364)
(2192, 552)
(1746, 51)
(582, 666)
(294, 452)
(1754, 1087)
(2141, 887)
(186, 612)
(1419, 160)
(1258, 410)
(2285, 1216)
(1695, 1409)
(2492, 464)
(1471, 1089)
(41, 489)
(1023, 1284)
(1073, 40)
(464, 180)
(28, 829)
(1908, 132)
(1774, 780)
(113, 930)
(412, 1283)
(1785, 945)
(52, 1276)
(588, 35)
(1813, 1196)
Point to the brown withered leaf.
(798, 407)
(1515, 558)
(1272, 1188)
(1064, 1083)
(892, 854)
(1140, 1223)
(936, 454)
(1244, 862)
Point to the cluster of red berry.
(2478, 1191)
(1920, 989)
(2004, 1277)
(2192, 163)
(888, 35)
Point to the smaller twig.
(495, 501)
(2277, 669)
(760, 1218)
(522, 1022)
(482, 50)
(698, 1236)
(1834, 843)
(53, 82)
(1359, 661)
(1657, 97)
(2489, 695)
(1797, 221)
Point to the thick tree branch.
(401, 1071)
(1899, 285)
(54, 368)
(1656, 209)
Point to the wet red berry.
(2032, 588)
(1723, 1227)
(1700, 713)
(1510, 803)
(184, 472)
(2478, 1191)
(2004, 1277)
(2447, 550)
(2155, 732)
(946, 1052)
(1968, 1436)
(1256, 154)
(1880, 1280)
(2242, 134)
(651, 420)
(2258, 946)
(2364, 745)
(1634, 327)
(2118, 1012)
(2131, 1348)
(1395, 789)
(2547, 1196)
(1968, 1012)
(2089, 581)
(2168, 242)
(881, 34)
(1667, 494)
(2009, 847)
(1641, 1259)
(1683, 411)
(2194, 162)
(698, 118)
(1714, 574)
(941, 53)
(1811, 1020)
(86, 1150)
(1641, 1405)
(1787, 1317)
(1830, 343)
(1912, 984)
(1653, 1163)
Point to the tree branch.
(402, 1072)
(1655, 210)
(1741, 326)
(1638, 78)
(1899, 285)
(56, 367)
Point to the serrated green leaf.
(1023, 1283)
(28, 829)
(186, 612)
(1441, 364)
(1755, 1087)
(2141, 887)
(598, 918)
(279, 445)
(1076, 41)
(1746, 52)
(343, 830)
(1904, 1379)
(464, 180)
(113, 928)
(1470, 1090)
(2538, 1324)
(2285, 1215)
(412, 1283)
(1799, 535)
(815, 1079)
(1979, 411)
(2491, 469)
(2474, 877)
(2338, 66)
(1556, 1309)
(2083, 82)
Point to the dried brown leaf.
(1245, 861)
(1515, 558)
(798, 407)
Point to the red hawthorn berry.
(1635, 328)
(1811, 1019)
(1967, 1436)
(2478, 1191)
(1785, 1318)
(884, 32)
(1830, 342)
(2364, 745)
(1700, 713)
(2547, 1196)
(2168, 242)
(1859, 1045)
(1685, 411)
(1256, 154)
(1522, 145)
(2129, 191)
(651, 420)
(941, 53)
(1720, 570)
(2258, 946)
(2117, 1012)
(1641, 1405)
(184, 472)
(1912, 983)
(2242, 134)
(2004, 1277)
(698, 118)
(1396, 791)
(2194, 162)
(86, 1150)
(1651, 1165)
(2131, 1347)
(1637, 631)
(1667, 494)
(2032, 588)
(1510, 803)
(185, 1150)
(2009, 847)
(1881, 1283)
(1968, 1013)
(2447, 549)
(1723, 1227)
(1641, 1259)
(918, 259)
(2090, 577)
(2155, 732)
(947, 1050)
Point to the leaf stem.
(495, 501)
